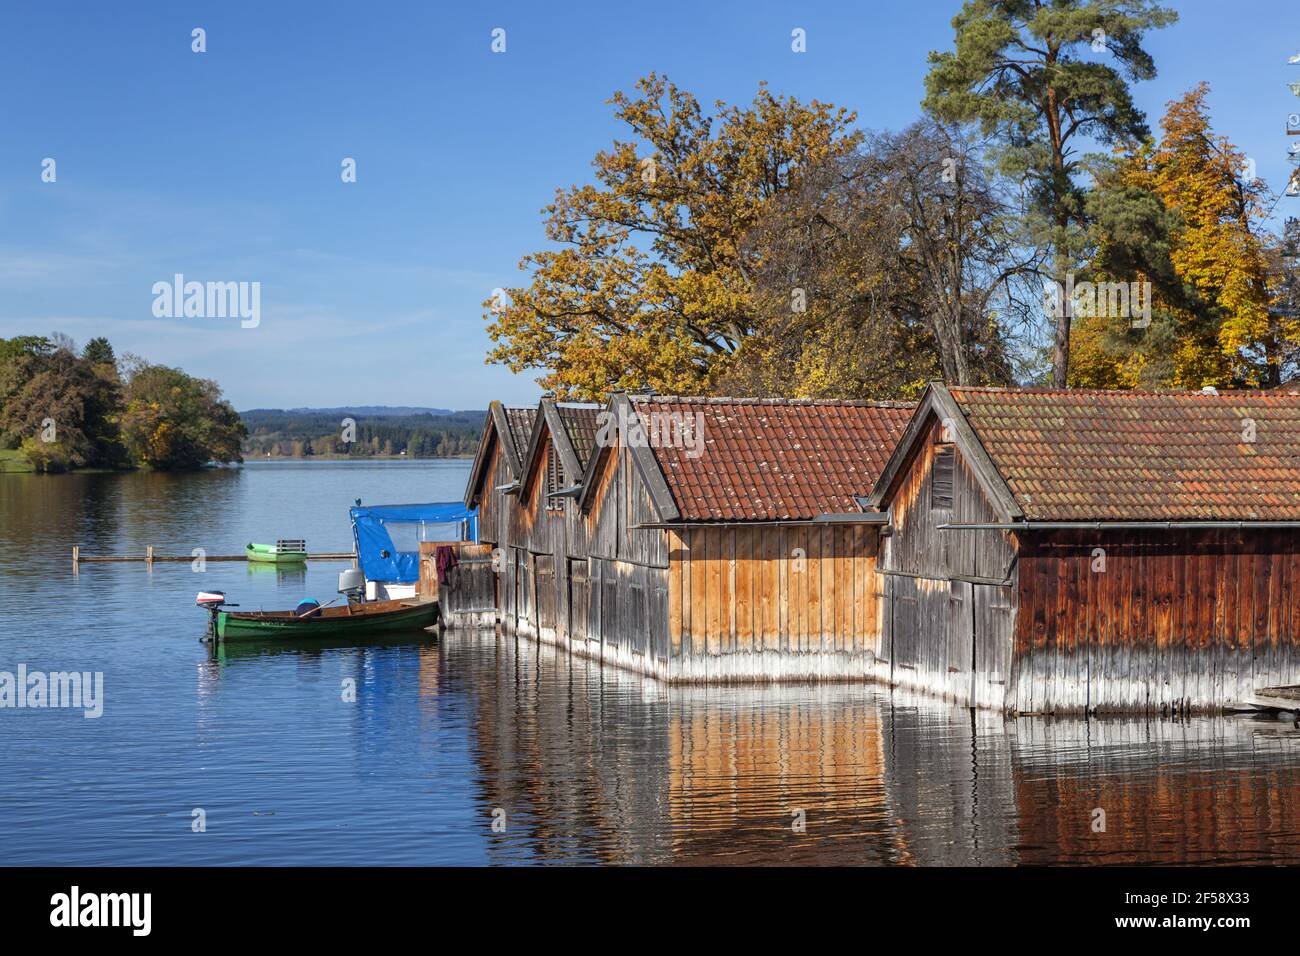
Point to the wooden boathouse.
(523, 481)
(1052, 550)
(544, 567)
(701, 539)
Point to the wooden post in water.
(76, 558)
(148, 556)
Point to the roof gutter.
(1120, 525)
(853, 517)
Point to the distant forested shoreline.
(64, 407)
(368, 432)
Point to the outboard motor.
(352, 584)
(212, 602)
(210, 599)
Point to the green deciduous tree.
(175, 421)
(58, 408)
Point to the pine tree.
(1041, 76)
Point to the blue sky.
(225, 165)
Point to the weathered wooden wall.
(592, 582)
(535, 570)
(1177, 620)
(773, 601)
(428, 585)
(705, 604)
(626, 587)
(493, 527)
(949, 595)
(468, 592)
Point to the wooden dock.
(150, 557)
(1269, 699)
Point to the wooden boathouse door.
(579, 600)
(904, 631)
(520, 607)
(933, 635)
(961, 640)
(544, 565)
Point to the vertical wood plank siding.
(604, 581)
(467, 595)
(535, 564)
(492, 525)
(1178, 620)
(773, 601)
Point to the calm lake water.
(449, 736)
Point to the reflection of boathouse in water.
(1029, 550)
(595, 765)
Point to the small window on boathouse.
(553, 479)
(941, 476)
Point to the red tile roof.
(774, 459)
(1087, 455)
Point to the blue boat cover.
(388, 536)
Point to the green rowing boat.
(282, 552)
(360, 620)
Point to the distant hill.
(380, 431)
(355, 410)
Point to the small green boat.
(352, 620)
(284, 551)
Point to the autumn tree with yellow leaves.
(771, 250)
(647, 285)
(1185, 214)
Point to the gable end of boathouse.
(1057, 551)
